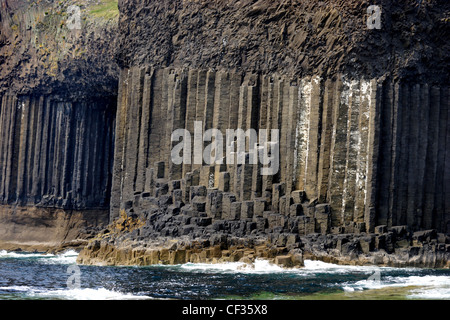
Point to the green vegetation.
(107, 10)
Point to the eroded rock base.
(120, 244)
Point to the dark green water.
(41, 276)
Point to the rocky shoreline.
(124, 243)
(176, 251)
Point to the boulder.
(284, 261)
(187, 229)
(164, 200)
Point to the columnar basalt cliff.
(340, 144)
(362, 116)
(57, 113)
(56, 153)
(362, 113)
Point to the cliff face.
(362, 116)
(363, 121)
(374, 151)
(295, 38)
(43, 49)
(56, 152)
(58, 87)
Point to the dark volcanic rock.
(295, 38)
(41, 54)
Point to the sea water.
(45, 276)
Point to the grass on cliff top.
(108, 9)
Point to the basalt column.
(56, 153)
(353, 154)
(55, 169)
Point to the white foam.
(25, 255)
(431, 293)
(88, 294)
(431, 287)
(215, 267)
(315, 266)
(17, 288)
(74, 294)
(311, 267)
(68, 257)
(390, 281)
(259, 266)
(348, 289)
(265, 266)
